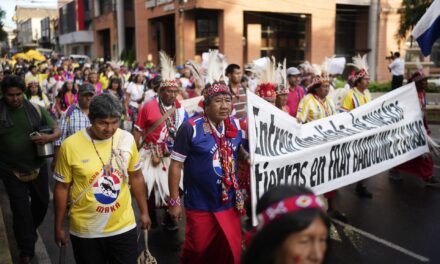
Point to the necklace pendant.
(206, 128)
(108, 169)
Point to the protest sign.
(336, 151)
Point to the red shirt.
(293, 99)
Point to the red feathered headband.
(266, 90)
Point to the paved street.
(399, 225)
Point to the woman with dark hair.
(115, 88)
(66, 97)
(134, 96)
(293, 228)
(35, 95)
(93, 80)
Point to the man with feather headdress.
(207, 147)
(356, 97)
(155, 132)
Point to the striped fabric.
(310, 108)
(354, 98)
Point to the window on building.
(206, 31)
(129, 5)
(105, 6)
(282, 35)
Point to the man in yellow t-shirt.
(356, 97)
(97, 164)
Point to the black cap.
(86, 88)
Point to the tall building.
(113, 25)
(28, 20)
(247, 29)
(75, 27)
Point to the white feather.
(360, 62)
(167, 66)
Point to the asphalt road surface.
(399, 225)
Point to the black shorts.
(122, 248)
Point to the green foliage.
(433, 88)
(339, 83)
(128, 56)
(379, 87)
(412, 11)
(383, 87)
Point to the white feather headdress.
(168, 71)
(360, 63)
(266, 70)
(283, 85)
(307, 67)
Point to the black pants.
(121, 249)
(27, 215)
(396, 81)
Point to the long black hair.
(269, 239)
(119, 91)
(39, 92)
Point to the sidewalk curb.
(5, 254)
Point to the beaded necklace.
(229, 179)
(172, 121)
(108, 169)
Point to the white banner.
(336, 151)
(191, 104)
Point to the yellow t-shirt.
(354, 98)
(310, 108)
(104, 81)
(105, 210)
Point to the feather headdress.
(306, 68)
(320, 76)
(168, 71)
(283, 85)
(361, 64)
(214, 74)
(266, 72)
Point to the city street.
(399, 225)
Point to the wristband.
(173, 202)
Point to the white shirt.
(135, 91)
(397, 67)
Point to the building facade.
(28, 20)
(245, 30)
(75, 28)
(113, 29)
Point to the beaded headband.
(289, 205)
(316, 80)
(168, 84)
(215, 88)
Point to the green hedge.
(382, 87)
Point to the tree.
(3, 34)
(412, 11)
